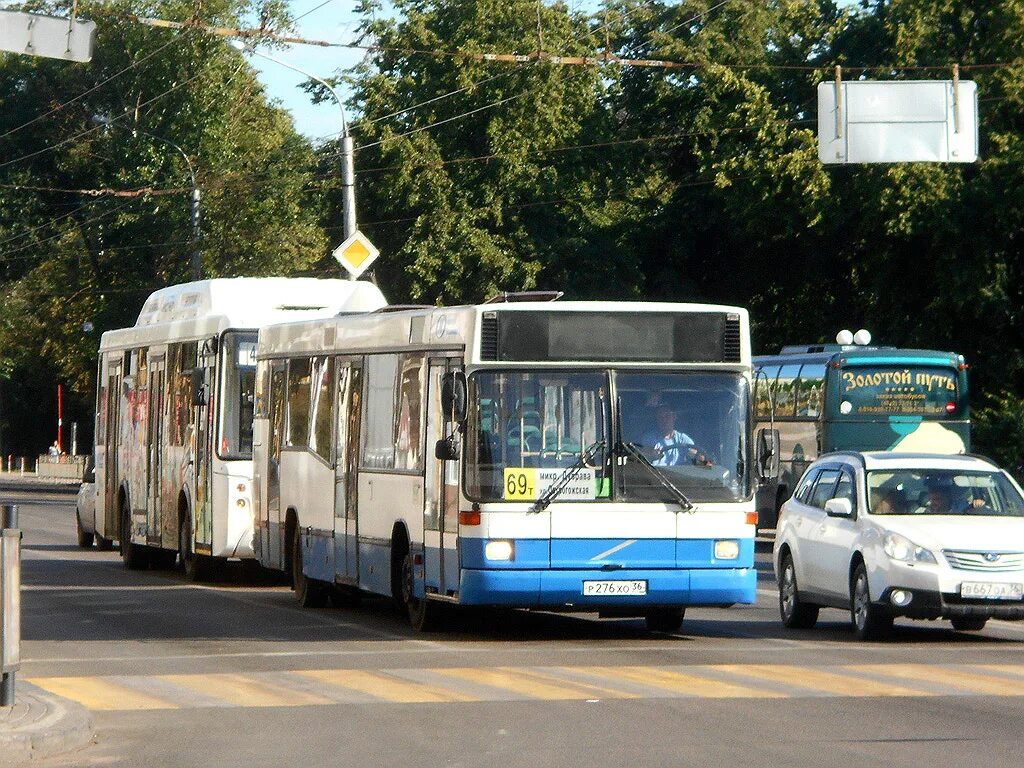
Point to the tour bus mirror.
(839, 508)
(454, 394)
(198, 387)
(768, 454)
(446, 449)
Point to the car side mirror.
(839, 508)
(768, 454)
(446, 449)
(198, 381)
(454, 396)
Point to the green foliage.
(68, 258)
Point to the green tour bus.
(833, 397)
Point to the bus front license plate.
(614, 588)
(988, 590)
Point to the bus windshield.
(528, 427)
(691, 428)
(895, 390)
(238, 385)
(529, 430)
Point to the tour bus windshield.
(895, 390)
(238, 384)
(942, 492)
(528, 429)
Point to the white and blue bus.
(529, 453)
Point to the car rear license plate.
(991, 590)
(614, 588)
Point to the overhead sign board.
(900, 121)
(356, 254)
(50, 36)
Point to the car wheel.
(870, 621)
(84, 537)
(795, 613)
(310, 593)
(965, 624)
(665, 619)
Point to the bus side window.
(379, 412)
(764, 386)
(809, 390)
(785, 390)
(298, 402)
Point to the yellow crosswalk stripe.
(818, 680)
(99, 693)
(682, 683)
(245, 691)
(520, 681)
(384, 686)
(557, 683)
(955, 677)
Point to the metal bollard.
(10, 602)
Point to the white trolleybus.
(174, 409)
(569, 456)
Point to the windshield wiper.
(568, 475)
(658, 475)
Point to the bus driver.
(669, 444)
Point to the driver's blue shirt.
(671, 448)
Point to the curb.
(39, 486)
(41, 725)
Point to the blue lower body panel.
(564, 588)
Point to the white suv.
(898, 534)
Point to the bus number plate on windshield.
(614, 588)
(989, 590)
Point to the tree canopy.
(474, 175)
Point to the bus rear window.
(912, 391)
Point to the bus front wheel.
(134, 556)
(424, 614)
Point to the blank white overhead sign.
(900, 121)
(49, 36)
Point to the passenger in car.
(891, 503)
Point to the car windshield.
(942, 492)
(691, 428)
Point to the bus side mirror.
(454, 396)
(198, 380)
(768, 454)
(446, 449)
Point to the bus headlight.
(727, 549)
(499, 550)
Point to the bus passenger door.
(346, 518)
(154, 442)
(110, 463)
(440, 492)
(271, 549)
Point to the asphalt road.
(234, 674)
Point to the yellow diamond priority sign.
(356, 254)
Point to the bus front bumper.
(564, 589)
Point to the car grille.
(976, 561)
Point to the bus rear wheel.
(195, 567)
(311, 593)
(134, 556)
(665, 619)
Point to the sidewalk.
(29, 483)
(40, 725)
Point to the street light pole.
(196, 257)
(348, 172)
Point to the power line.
(312, 10)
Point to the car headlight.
(903, 549)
